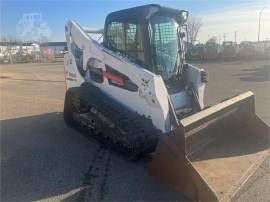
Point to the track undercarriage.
(89, 110)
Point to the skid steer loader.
(135, 92)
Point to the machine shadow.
(41, 157)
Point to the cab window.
(125, 38)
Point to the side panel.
(72, 75)
(151, 97)
(195, 77)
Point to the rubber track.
(133, 134)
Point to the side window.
(126, 39)
(134, 49)
(131, 34)
(115, 36)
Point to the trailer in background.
(228, 50)
(246, 49)
(262, 49)
(195, 52)
(211, 51)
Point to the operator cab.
(150, 36)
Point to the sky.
(220, 18)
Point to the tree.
(194, 27)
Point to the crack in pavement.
(96, 176)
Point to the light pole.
(260, 14)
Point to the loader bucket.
(211, 154)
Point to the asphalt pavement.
(43, 159)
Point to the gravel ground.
(41, 158)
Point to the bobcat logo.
(78, 54)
